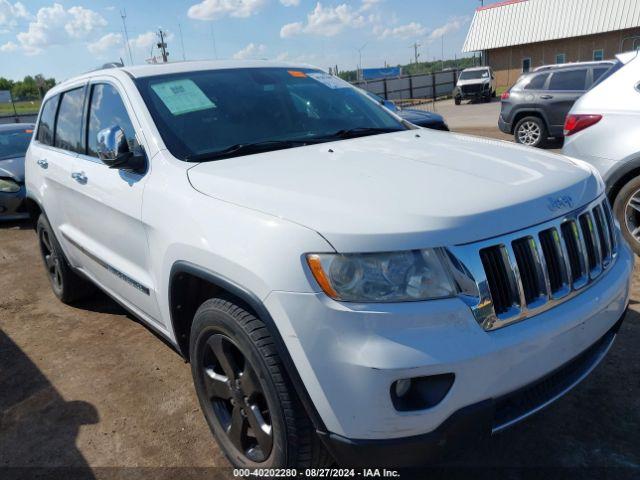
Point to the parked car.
(603, 128)
(14, 140)
(336, 297)
(534, 109)
(420, 118)
(477, 83)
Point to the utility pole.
(123, 15)
(442, 38)
(163, 46)
(416, 54)
(184, 57)
(360, 60)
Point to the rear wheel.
(245, 394)
(531, 131)
(626, 209)
(67, 285)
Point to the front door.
(565, 87)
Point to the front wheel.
(457, 100)
(531, 131)
(245, 394)
(626, 208)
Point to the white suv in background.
(603, 128)
(477, 83)
(346, 286)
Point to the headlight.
(8, 186)
(382, 277)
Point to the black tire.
(535, 126)
(626, 209)
(67, 285)
(457, 100)
(224, 329)
(494, 94)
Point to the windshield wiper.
(248, 148)
(361, 132)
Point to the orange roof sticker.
(28, 131)
(297, 73)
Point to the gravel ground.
(89, 387)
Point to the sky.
(62, 38)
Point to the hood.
(403, 190)
(13, 167)
(420, 117)
(473, 81)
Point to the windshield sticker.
(182, 96)
(297, 74)
(329, 80)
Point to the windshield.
(213, 111)
(14, 143)
(474, 74)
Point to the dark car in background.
(534, 109)
(420, 118)
(14, 141)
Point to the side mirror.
(113, 150)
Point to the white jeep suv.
(346, 286)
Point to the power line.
(123, 15)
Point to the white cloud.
(56, 26)
(214, 9)
(105, 44)
(410, 30)
(11, 13)
(368, 4)
(281, 57)
(449, 27)
(8, 47)
(290, 3)
(250, 51)
(326, 21)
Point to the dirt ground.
(89, 387)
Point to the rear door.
(106, 216)
(54, 150)
(564, 88)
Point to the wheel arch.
(189, 284)
(619, 175)
(34, 209)
(520, 114)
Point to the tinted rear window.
(568, 80)
(69, 121)
(47, 118)
(14, 143)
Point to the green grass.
(500, 90)
(29, 106)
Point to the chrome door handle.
(43, 163)
(79, 177)
(546, 97)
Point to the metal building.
(518, 35)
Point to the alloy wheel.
(632, 215)
(51, 259)
(529, 133)
(236, 397)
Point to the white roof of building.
(518, 22)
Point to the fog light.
(403, 386)
(419, 393)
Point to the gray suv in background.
(535, 108)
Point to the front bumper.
(12, 205)
(349, 355)
(465, 95)
(473, 423)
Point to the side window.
(107, 110)
(571, 80)
(598, 72)
(537, 82)
(69, 121)
(47, 118)
(526, 65)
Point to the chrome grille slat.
(532, 270)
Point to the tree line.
(421, 67)
(29, 88)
